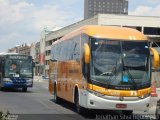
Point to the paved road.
(37, 103)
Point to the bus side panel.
(62, 78)
(74, 76)
(59, 80)
(51, 76)
(69, 74)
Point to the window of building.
(95, 13)
(135, 27)
(48, 52)
(49, 43)
(90, 1)
(47, 62)
(90, 8)
(151, 31)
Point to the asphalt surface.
(37, 104)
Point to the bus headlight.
(144, 96)
(95, 93)
(8, 81)
(29, 81)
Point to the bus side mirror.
(155, 58)
(86, 53)
(54, 60)
(33, 64)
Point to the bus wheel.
(24, 89)
(56, 98)
(79, 109)
(157, 114)
(2, 89)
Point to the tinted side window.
(76, 48)
(61, 50)
(70, 50)
(67, 50)
(64, 51)
(58, 51)
(53, 52)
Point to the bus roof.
(8, 53)
(5, 54)
(110, 32)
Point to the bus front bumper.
(13, 85)
(8, 83)
(96, 102)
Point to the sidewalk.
(158, 92)
(39, 79)
(155, 99)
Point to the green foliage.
(4, 116)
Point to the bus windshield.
(18, 68)
(120, 64)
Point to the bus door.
(64, 80)
(58, 79)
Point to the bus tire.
(2, 89)
(79, 109)
(157, 113)
(24, 89)
(56, 98)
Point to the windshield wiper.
(114, 75)
(125, 68)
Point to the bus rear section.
(16, 72)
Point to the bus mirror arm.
(33, 64)
(155, 58)
(86, 53)
(54, 60)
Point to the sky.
(21, 21)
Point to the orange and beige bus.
(103, 67)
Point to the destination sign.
(107, 42)
(20, 57)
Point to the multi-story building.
(32, 50)
(14, 49)
(22, 49)
(35, 53)
(25, 49)
(44, 51)
(93, 7)
(39, 67)
(150, 26)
